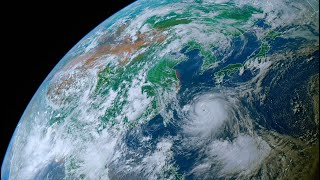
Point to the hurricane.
(220, 89)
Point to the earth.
(204, 89)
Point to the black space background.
(34, 37)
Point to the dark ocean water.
(283, 88)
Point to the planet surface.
(203, 89)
